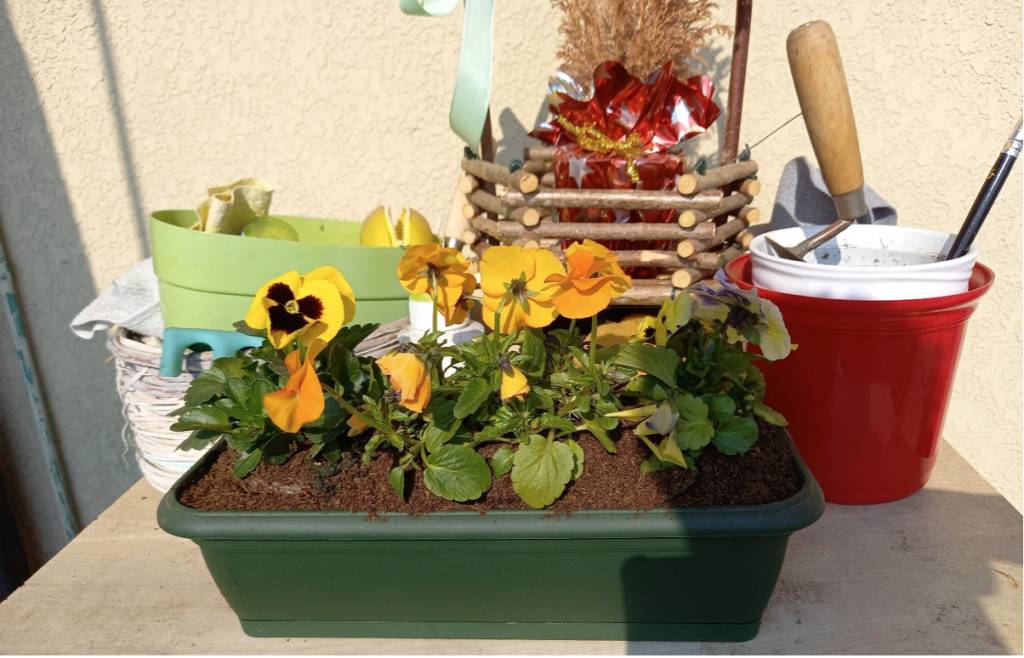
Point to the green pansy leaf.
(501, 461)
(657, 361)
(242, 328)
(237, 390)
(204, 387)
(241, 439)
(475, 393)
(442, 415)
(247, 463)
(596, 427)
(231, 366)
(769, 415)
(652, 465)
(693, 429)
(720, 407)
(647, 387)
(578, 458)
(540, 470)
(543, 398)
(456, 472)
(666, 450)
(277, 449)
(673, 314)
(204, 417)
(351, 335)
(345, 368)
(560, 424)
(371, 446)
(534, 354)
(257, 390)
(736, 435)
(396, 478)
(198, 440)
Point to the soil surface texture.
(765, 474)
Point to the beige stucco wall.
(112, 109)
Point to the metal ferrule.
(851, 205)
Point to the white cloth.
(803, 199)
(132, 301)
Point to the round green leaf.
(396, 478)
(456, 472)
(736, 435)
(540, 471)
(501, 461)
(578, 458)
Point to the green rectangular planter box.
(701, 574)
(207, 280)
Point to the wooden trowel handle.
(825, 101)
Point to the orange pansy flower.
(409, 378)
(440, 272)
(301, 400)
(593, 279)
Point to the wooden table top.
(939, 572)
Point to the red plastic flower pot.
(866, 391)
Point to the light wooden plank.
(939, 572)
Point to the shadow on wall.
(53, 280)
(124, 144)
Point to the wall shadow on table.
(913, 576)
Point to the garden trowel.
(825, 101)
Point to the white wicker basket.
(146, 399)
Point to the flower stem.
(433, 299)
(349, 407)
(593, 345)
(433, 314)
(497, 322)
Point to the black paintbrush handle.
(987, 195)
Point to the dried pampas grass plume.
(639, 34)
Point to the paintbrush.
(987, 196)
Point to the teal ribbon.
(472, 94)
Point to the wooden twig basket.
(712, 212)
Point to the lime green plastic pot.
(207, 280)
(683, 574)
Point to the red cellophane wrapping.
(655, 115)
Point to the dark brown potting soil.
(767, 473)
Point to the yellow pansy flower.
(314, 306)
(513, 383)
(513, 278)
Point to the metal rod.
(737, 79)
(35, 398)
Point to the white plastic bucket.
(865, 261)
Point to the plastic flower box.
(698, 574)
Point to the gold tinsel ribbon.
(591, 138)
